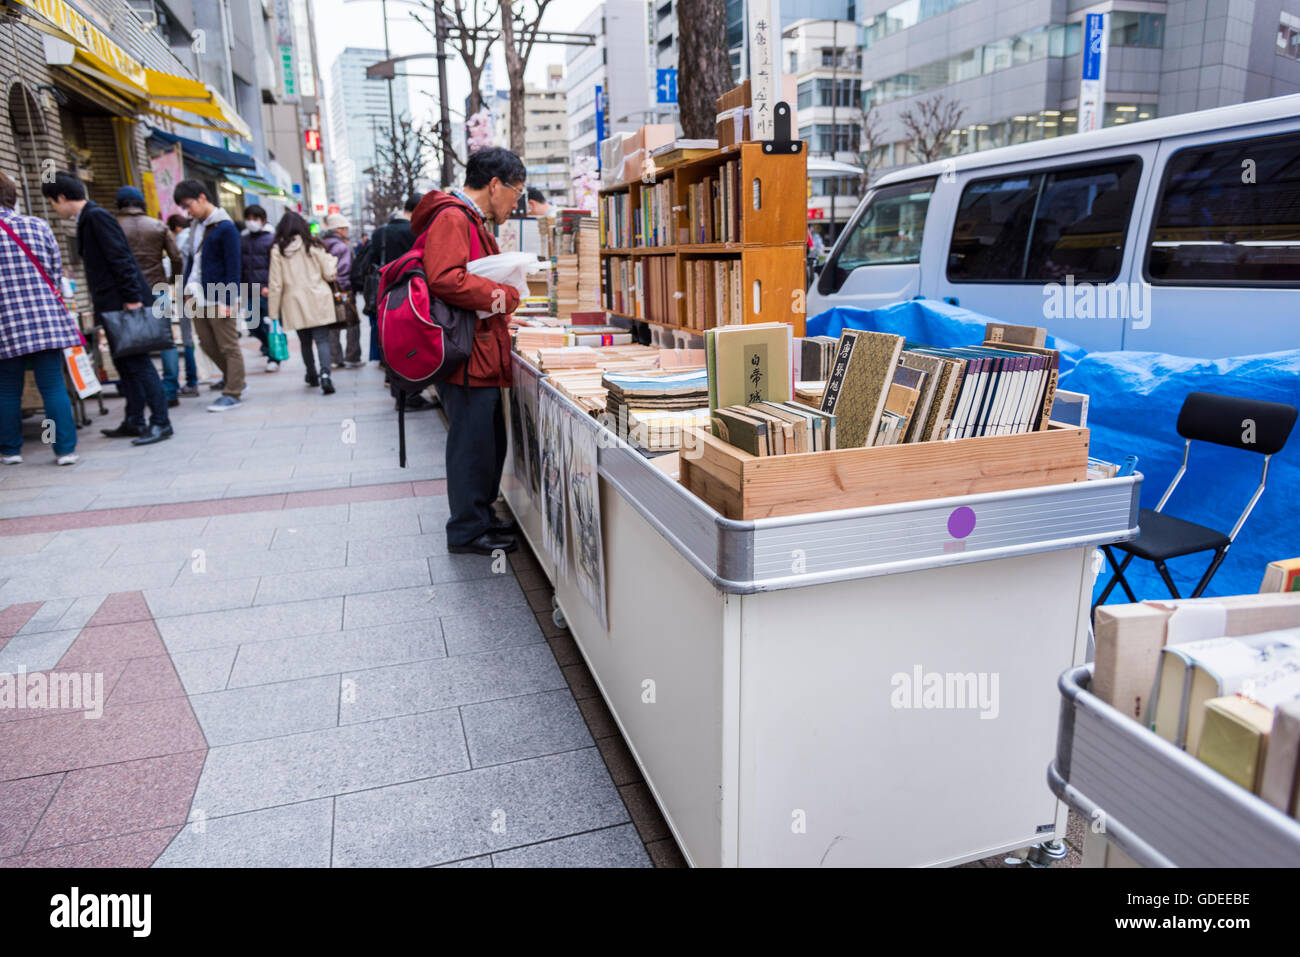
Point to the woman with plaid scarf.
(35, 328)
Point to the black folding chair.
(1246, 424)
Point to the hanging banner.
(584, 512)
(764, 66)
(1092, 85)
(168, 170)
(553, 441)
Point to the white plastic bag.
(509, 269)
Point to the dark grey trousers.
(476, 454)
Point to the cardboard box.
(637, 147)
(733, 111)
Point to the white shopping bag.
(81, 371)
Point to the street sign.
(815, 213)
(312, 139)
(600, 121)
(1092, 84)
(666, 85)
(334, 210)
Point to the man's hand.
(132, 305)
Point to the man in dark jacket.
(151, 243)
(255, 267)
(452, 229)
(212, 287)
(115, 283)
(388, 242)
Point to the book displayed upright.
(859, 383)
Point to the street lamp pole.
(444, 109)
(392, 112)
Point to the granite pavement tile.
(336, 652)
(610, 847)
(345, 580)
(456, 816)
(529, 726)
(267, 710)
(491, 629)
(22, 803)
(293, 835)
(445, 598)
(262, 622)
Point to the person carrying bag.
(299, 291)
(35, 328)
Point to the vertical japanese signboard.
(1092, 86)
(284, 50)
(764, 66)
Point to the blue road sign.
(666, 85)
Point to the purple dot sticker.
(961, 522)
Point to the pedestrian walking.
(255, 263)
(453, 229)
(152, 244)
(212, 288)
(388, 242)
(115, 283)
(335, 239)
(299, 293)
(35, 328)
(179, 226)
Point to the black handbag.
(345, 308)
(135, 332)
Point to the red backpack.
(423, 340)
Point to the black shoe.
(327, 385)
(417, 403)
(503, 527)
(123, 431)
(486, 544)
(156, 433)
(217, 386)
(172, 403)
(311, 379)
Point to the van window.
(1229, 214)
(887, 232)
(1043, 226)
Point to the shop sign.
(92, 41)
(815, 213)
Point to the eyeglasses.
(518, 192)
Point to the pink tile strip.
(206, 508)
(21, 805)
(115, 799)
(130, 850)
(122, 606)
(14, 617)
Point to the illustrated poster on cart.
(584, 512)
(518, 447)
(552, 445)
(528, 418)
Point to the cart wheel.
(557, 616)
(554, 602)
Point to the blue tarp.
(1134, 398)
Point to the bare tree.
(929, 123)
(704, 65)
(473, 41)
(402, 156)
(520, 22)
(873, 137)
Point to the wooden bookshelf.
(770, 249)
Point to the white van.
(1177, 235)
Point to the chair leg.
(1219, 556)
(1116, 579)
(1169, 582)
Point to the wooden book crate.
(744, 486)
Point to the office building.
(618, 65)
(546, 135)
(359, 117)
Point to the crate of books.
(1183, 737)
(897, 421)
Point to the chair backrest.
(1249, 424)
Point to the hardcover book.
(859, 384)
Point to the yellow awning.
(191, 96)
(95, 52)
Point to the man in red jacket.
(476, 441)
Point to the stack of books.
(679, 151)
(617, 221)
(532, 338)
(655, 219)
(675, 391)
(775, 428)
(814, 357)
(644, 287)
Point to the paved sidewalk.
(293, 670)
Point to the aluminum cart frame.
(1156, 802)
(757, 669)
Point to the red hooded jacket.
(447, 248)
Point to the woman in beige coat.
(299, 293)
